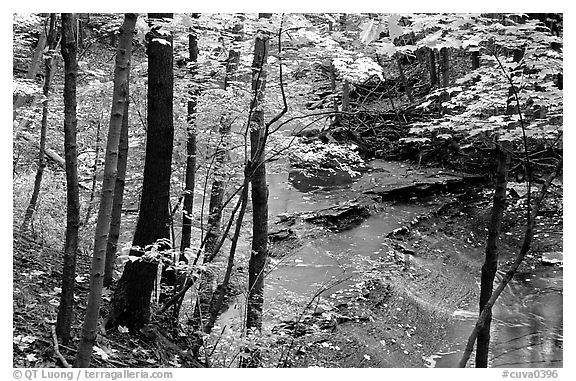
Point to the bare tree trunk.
(475, 57)
(526, 244)
(119, 98)
(433, 69)
(345, 96)
(332, 74)
(94, 176)
(216, 305)
(491, 262)
(69, 53)
(445, 66)
(48, 63)
(116, 217)
(190, 180)
(259, 254)
(154, 218)
(407, 87)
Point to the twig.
(524, 136)
(322, 290)
(56, 350)
(177, 296)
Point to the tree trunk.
(526, 244)
(94, 176)
(216, 304)
(48, 63)
(491, 262)
(190, 180)
(407, 88)
(206, 282)
(116, 217)
(69, 53)
(445, 66)
(154, 215)
(475, 57)
(131, 303)
(259, 253)
(332, 74)
(120, 95)
(433, 69)
(345, 96)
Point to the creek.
(527, 329)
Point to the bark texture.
(119, 98)
(491, 261)
(433, 69)
(190, 180)
(69, 53)
(445, 66)
(259, 254)
(116, 217)
(154, 216)
(131, 301)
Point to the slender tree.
(116, 217)
(90, 204)
(332, 75)
(475, 59)
(69, 54)
(259, 253)
(131, 301)
(404, 80)
(48, 69)
(190, 180)
(445, 66)
(432, 68)
(491, 261)
(119, 99)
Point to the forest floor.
(399, 311)
(36, 296)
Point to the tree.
(259, 253)
(491, 261)
(445, 66)
(69, 54)
(131, 301)
(190, 150)
(116, 217)
(48, 74)
(432, 68)
(119, 99)
(154, 215)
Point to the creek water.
(527, 329)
